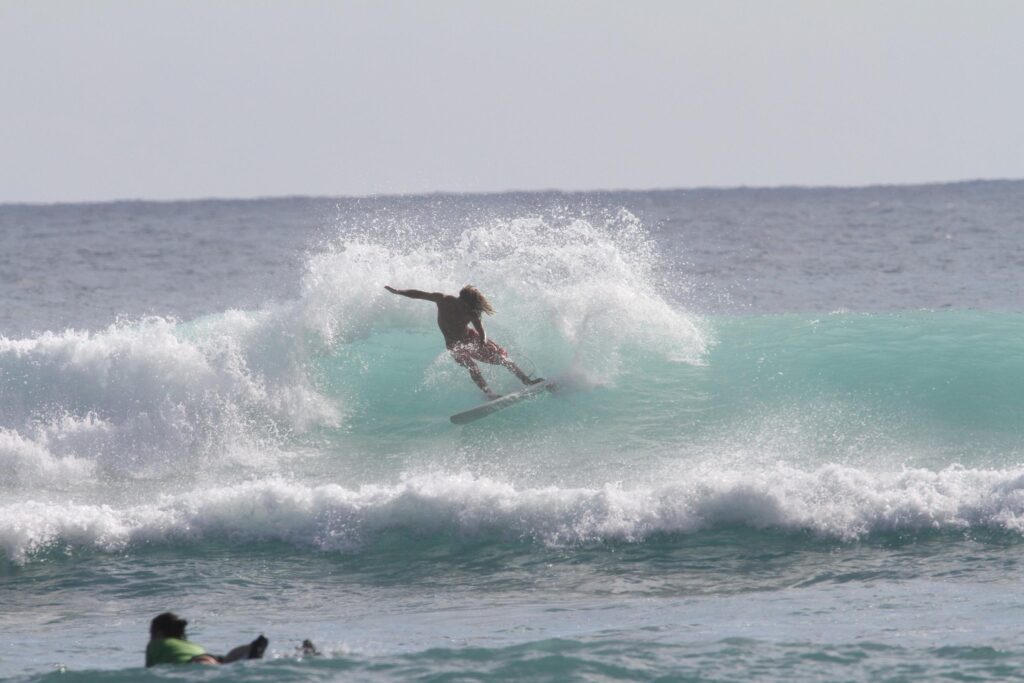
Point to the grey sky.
(170, 99)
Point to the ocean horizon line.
(514, 192)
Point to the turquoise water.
(711, 494)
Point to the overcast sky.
(179, 99)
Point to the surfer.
(464, 335)
(168, 645)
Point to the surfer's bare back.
(464, 335)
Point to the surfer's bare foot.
(536, 380)
(258, 647)
(491, 396)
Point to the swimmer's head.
(167, 625)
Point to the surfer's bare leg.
(478, 377)
(240, 652)
(253, 650)
(490, 352)
(515, 370)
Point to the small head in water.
(167, 625)
(476, 301)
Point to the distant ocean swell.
(832, 501)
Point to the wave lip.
(832, 501)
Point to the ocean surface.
(788, 442)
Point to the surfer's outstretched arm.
(416, 294)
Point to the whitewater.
(787, 442)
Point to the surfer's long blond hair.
(472, 297)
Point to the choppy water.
(788, 445)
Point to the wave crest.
(833, 501)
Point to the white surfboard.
(497, 404)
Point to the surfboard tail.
(501, 403)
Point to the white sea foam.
(130, 397)
(28, 462)
(831, 501)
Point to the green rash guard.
(171, 651)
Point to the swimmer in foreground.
(168, 645)
(463, 330)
